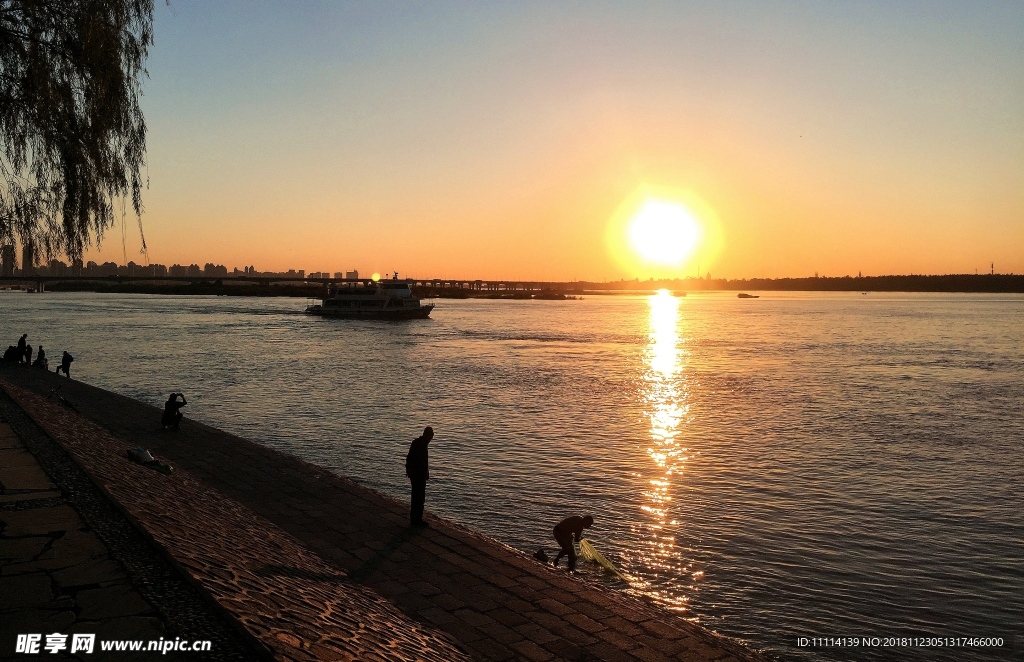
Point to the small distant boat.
(744, 295)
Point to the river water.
(799, 465)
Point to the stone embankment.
(308, 565)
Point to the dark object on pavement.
(60, 398)
(418, 470)
(541, 556)
(144, 457)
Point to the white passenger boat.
(383, 300)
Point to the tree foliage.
(72, 132)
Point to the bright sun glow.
(664, 233)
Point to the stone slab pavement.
(56, 576)
(494, 601)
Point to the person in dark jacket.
(418, 471)
(172, 416)
(41, 361)
(65, 364)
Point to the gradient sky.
(497, 140)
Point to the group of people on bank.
(22, 353)
(417, 468)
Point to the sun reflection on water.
(666, 398)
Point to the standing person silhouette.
(65, 364)
(21, 345)
(172, 416)
(568, 530)
(418, 471)
(28, 354)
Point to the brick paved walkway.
(494, 601)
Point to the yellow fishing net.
(590, 553)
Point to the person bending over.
(566, 532)
(418, 470)
(172, 416)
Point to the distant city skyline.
(9, 266)
(501, 139)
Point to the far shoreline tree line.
(296, 283)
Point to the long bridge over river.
(40, 282)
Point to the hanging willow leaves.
(73, 135)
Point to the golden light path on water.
(666, 396)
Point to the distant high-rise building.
(57, 268)
(27, 259)
(214, 270)
(354, 274)
(8, 260)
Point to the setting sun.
(664, 233)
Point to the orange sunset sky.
(500, 140)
